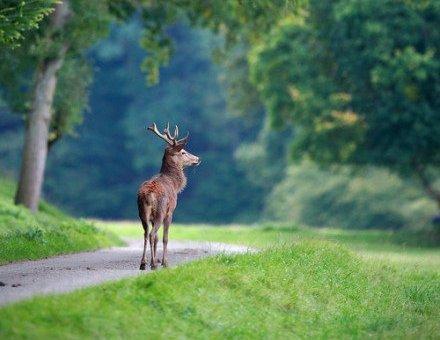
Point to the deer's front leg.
(166, 226)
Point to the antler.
(160, 135)
(167, 137)
(167, 132)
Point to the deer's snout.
(197, 161)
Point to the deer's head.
(174, 151)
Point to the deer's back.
(158, 194)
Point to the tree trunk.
(37, 128)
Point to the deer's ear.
(181, 143)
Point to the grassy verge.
(308, 289)
(399, 247)
(24, 235)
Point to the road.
(59, 274)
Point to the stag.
(157, 197)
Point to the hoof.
(164, 264)
(153, 266)
(142, 267)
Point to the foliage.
(71, 99)
(84, 27)
(10, 142)
(264, 160)
(112, 154)
(18, 67)
(358, 81)
(272, 294)
(18, 17)
(242, 96)
(343, 197)
(124, 153)
(308, 72)
(24, 235)
(235, 20)
(370, 198)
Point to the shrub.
(373, 198)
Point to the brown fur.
(157, 199)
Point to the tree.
(359, 81)
(236, 21)
(45, 56)
(37, 135)
(72, 27)
(18, 17)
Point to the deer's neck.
(175, 173)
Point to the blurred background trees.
(114, 140)
(72, 27)
(32, 76)
(346, 89)
(359, 82)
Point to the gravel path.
(22, 280)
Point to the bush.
(373, 198)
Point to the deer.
(157, 197)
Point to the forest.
(258, 163)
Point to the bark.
(37, 128)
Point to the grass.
(305, 283)
(310, 289)
(48, 232)
(400, 247)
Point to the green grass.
(305, 283)
(48, 232)
(310, 289)
(407, 248)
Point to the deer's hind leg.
(153, 242)
(145, 216)
(156, 240)
(144, 254)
